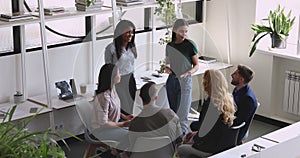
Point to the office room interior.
(224, 33)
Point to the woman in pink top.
(107, 111)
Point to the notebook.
(129, 3)
(206, 59)
(66, 89)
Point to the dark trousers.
(126, 90)
(173, 92)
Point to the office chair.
(85, 111)
(247, 133)
(149, 147)
(225, 142)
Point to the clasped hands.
(184, 75)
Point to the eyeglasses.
(257, 148)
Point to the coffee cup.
(83, 88)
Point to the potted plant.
(17, 142)
(279, 26)
(162, 65)
(166, 10)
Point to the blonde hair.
(216, 87)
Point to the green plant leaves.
(279, 24)
(17, 142)
(166, 11)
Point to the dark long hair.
(106, 77)
(178, 23)
(118, 40)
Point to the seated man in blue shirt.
(244, 99)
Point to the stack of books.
(129, 2)
(54, 10)
(15, 16)
(206, 59)
(81, 5)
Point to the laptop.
(66, 90)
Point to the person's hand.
(189, 137)
(168, 70)
(129, 117)
(189, 73)
(126, 123)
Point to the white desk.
(286, 149)
(285, 133)
(246, 149)
(23, 110)
(162, 80)
(282, 143)
(58, 103)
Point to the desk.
(58, 103)
(282, 143)
(285, 133)
(22, 110)
(162, 80)
(162, 101)
(246, 148)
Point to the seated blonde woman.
(217, 116)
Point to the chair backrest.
(149, 147)
(230, 137)
(85, 110)
(247, 133)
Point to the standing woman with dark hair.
(122, 52)
(182, 55)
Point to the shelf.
(138, 6)
(289, 53)
(147, 5)
(4, 24)
(73, 13)
(69, 13)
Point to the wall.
(269, 71)
(241, 15)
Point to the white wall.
(269, 71)
(241, 16)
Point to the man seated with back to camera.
(153, 120)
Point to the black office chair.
(247, 133)
(227, 140)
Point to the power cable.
(71, 36)
(51, 30)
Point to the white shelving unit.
(41, 19)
